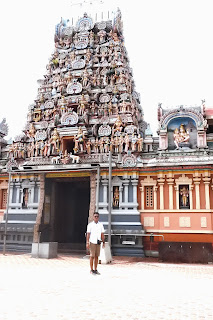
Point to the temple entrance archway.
(70, 200)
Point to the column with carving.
(92, 195)
(40, 207)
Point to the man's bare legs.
(95, 261)
(91, 263)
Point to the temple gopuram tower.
(86, 106)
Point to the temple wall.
(167, 219)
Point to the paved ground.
(127, 288)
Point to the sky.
(169, 44)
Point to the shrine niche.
(182, 128)
(25, 198)
(182, 134)
(115, 197)
(184, 197)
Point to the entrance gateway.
(66, 212)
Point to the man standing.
(95, 234)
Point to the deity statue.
(140, 143)
(134, 142)
(96, 145)
(116, 197)
(93, 108)
(81, 108)
(47, 148)
(85, 78)
(101, 145)
(31, 132)
(121, 141)
(88, 55)
(79, 141)
(25, 198)
(117, 126)
(126, 141)
(88, 146)
(36, 149)
(116, 144)
(106, 145)
(91, 38)
(181, 136)
(184, 196)
(65, 158)
(54, 141)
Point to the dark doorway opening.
(68, 144)
(72, 199)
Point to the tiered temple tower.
(86, 103)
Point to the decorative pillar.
(177, 197)
(105, 185)
(92, 195)
(126, 189)
(11, 191)
(155, 197)
(190, 197)
(135, 184)
(161, 184)
(17, 192)
(197, 192)
(32, 193)
(206, 181)
(40, 207)
(170, 182)
(142, 197)
(120, 195)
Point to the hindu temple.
(86, 108)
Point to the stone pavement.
(128, 288)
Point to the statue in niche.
(184, 196)
(181, 137)
(25, 197)
(115, 197)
